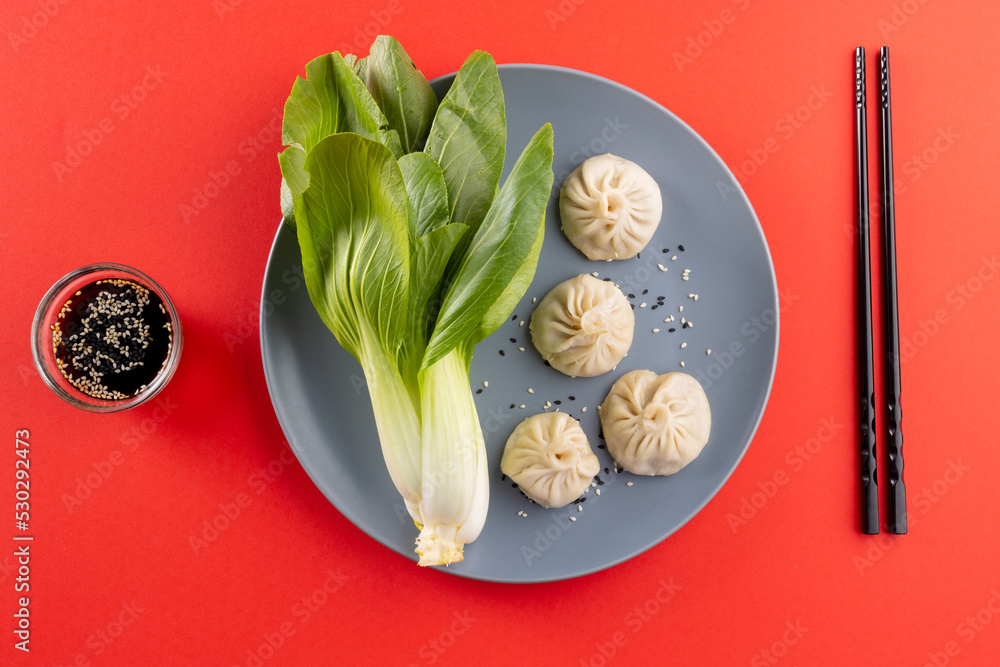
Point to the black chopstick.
(893, 415)
(865, 369)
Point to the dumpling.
(550, 459)
(610, 207)
(655, 424)
(583, 327)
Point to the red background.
(123, 553)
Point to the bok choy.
(413, 253)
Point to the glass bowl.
(46, 331)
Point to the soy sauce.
(112, 338)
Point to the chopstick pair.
(866, 372)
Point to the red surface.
(795, 583)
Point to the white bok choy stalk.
(413, 257)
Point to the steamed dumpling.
(550, 459)
(610, 207)
(583, 327)
(655, 424)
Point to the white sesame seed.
(680, 309)
(593, 484)
(682, 364)
(683, 345)
(521, 406)
(485, 383)
(520, 349)
(547, 405)
(579, 508)
(521, 323)
(629, 483)
(572, 518)
(683, 320)
(642, 305)
(594, 273)
(656, 331)
(530, 390)
(661, 267)
(673, 258)
(584, 409)
(708, 351)
(597, 491)
(534, 299)
(695, 297)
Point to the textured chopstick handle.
(893, 413)
(865, 368)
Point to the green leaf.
(431, 253)
(353, 233)
(426, 190)
(294, 180)
(401, 92)
(501, 259)
(333, 99)
(469, 137)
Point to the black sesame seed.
(600, 446)
(547, 364)
(479, 391)
(514, 485)
(513, 340)
(681, 248)
(671, 329)
(666, 250)
(600, 482)
(557, 402)
(655, 306)
(631, 296)
(502, 353)
(513, 318)
(572, 398)
(606, 471)
(513, 405)
(645, 291)
(633, 306)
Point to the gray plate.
(321, 400)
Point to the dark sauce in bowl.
(112, 338)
